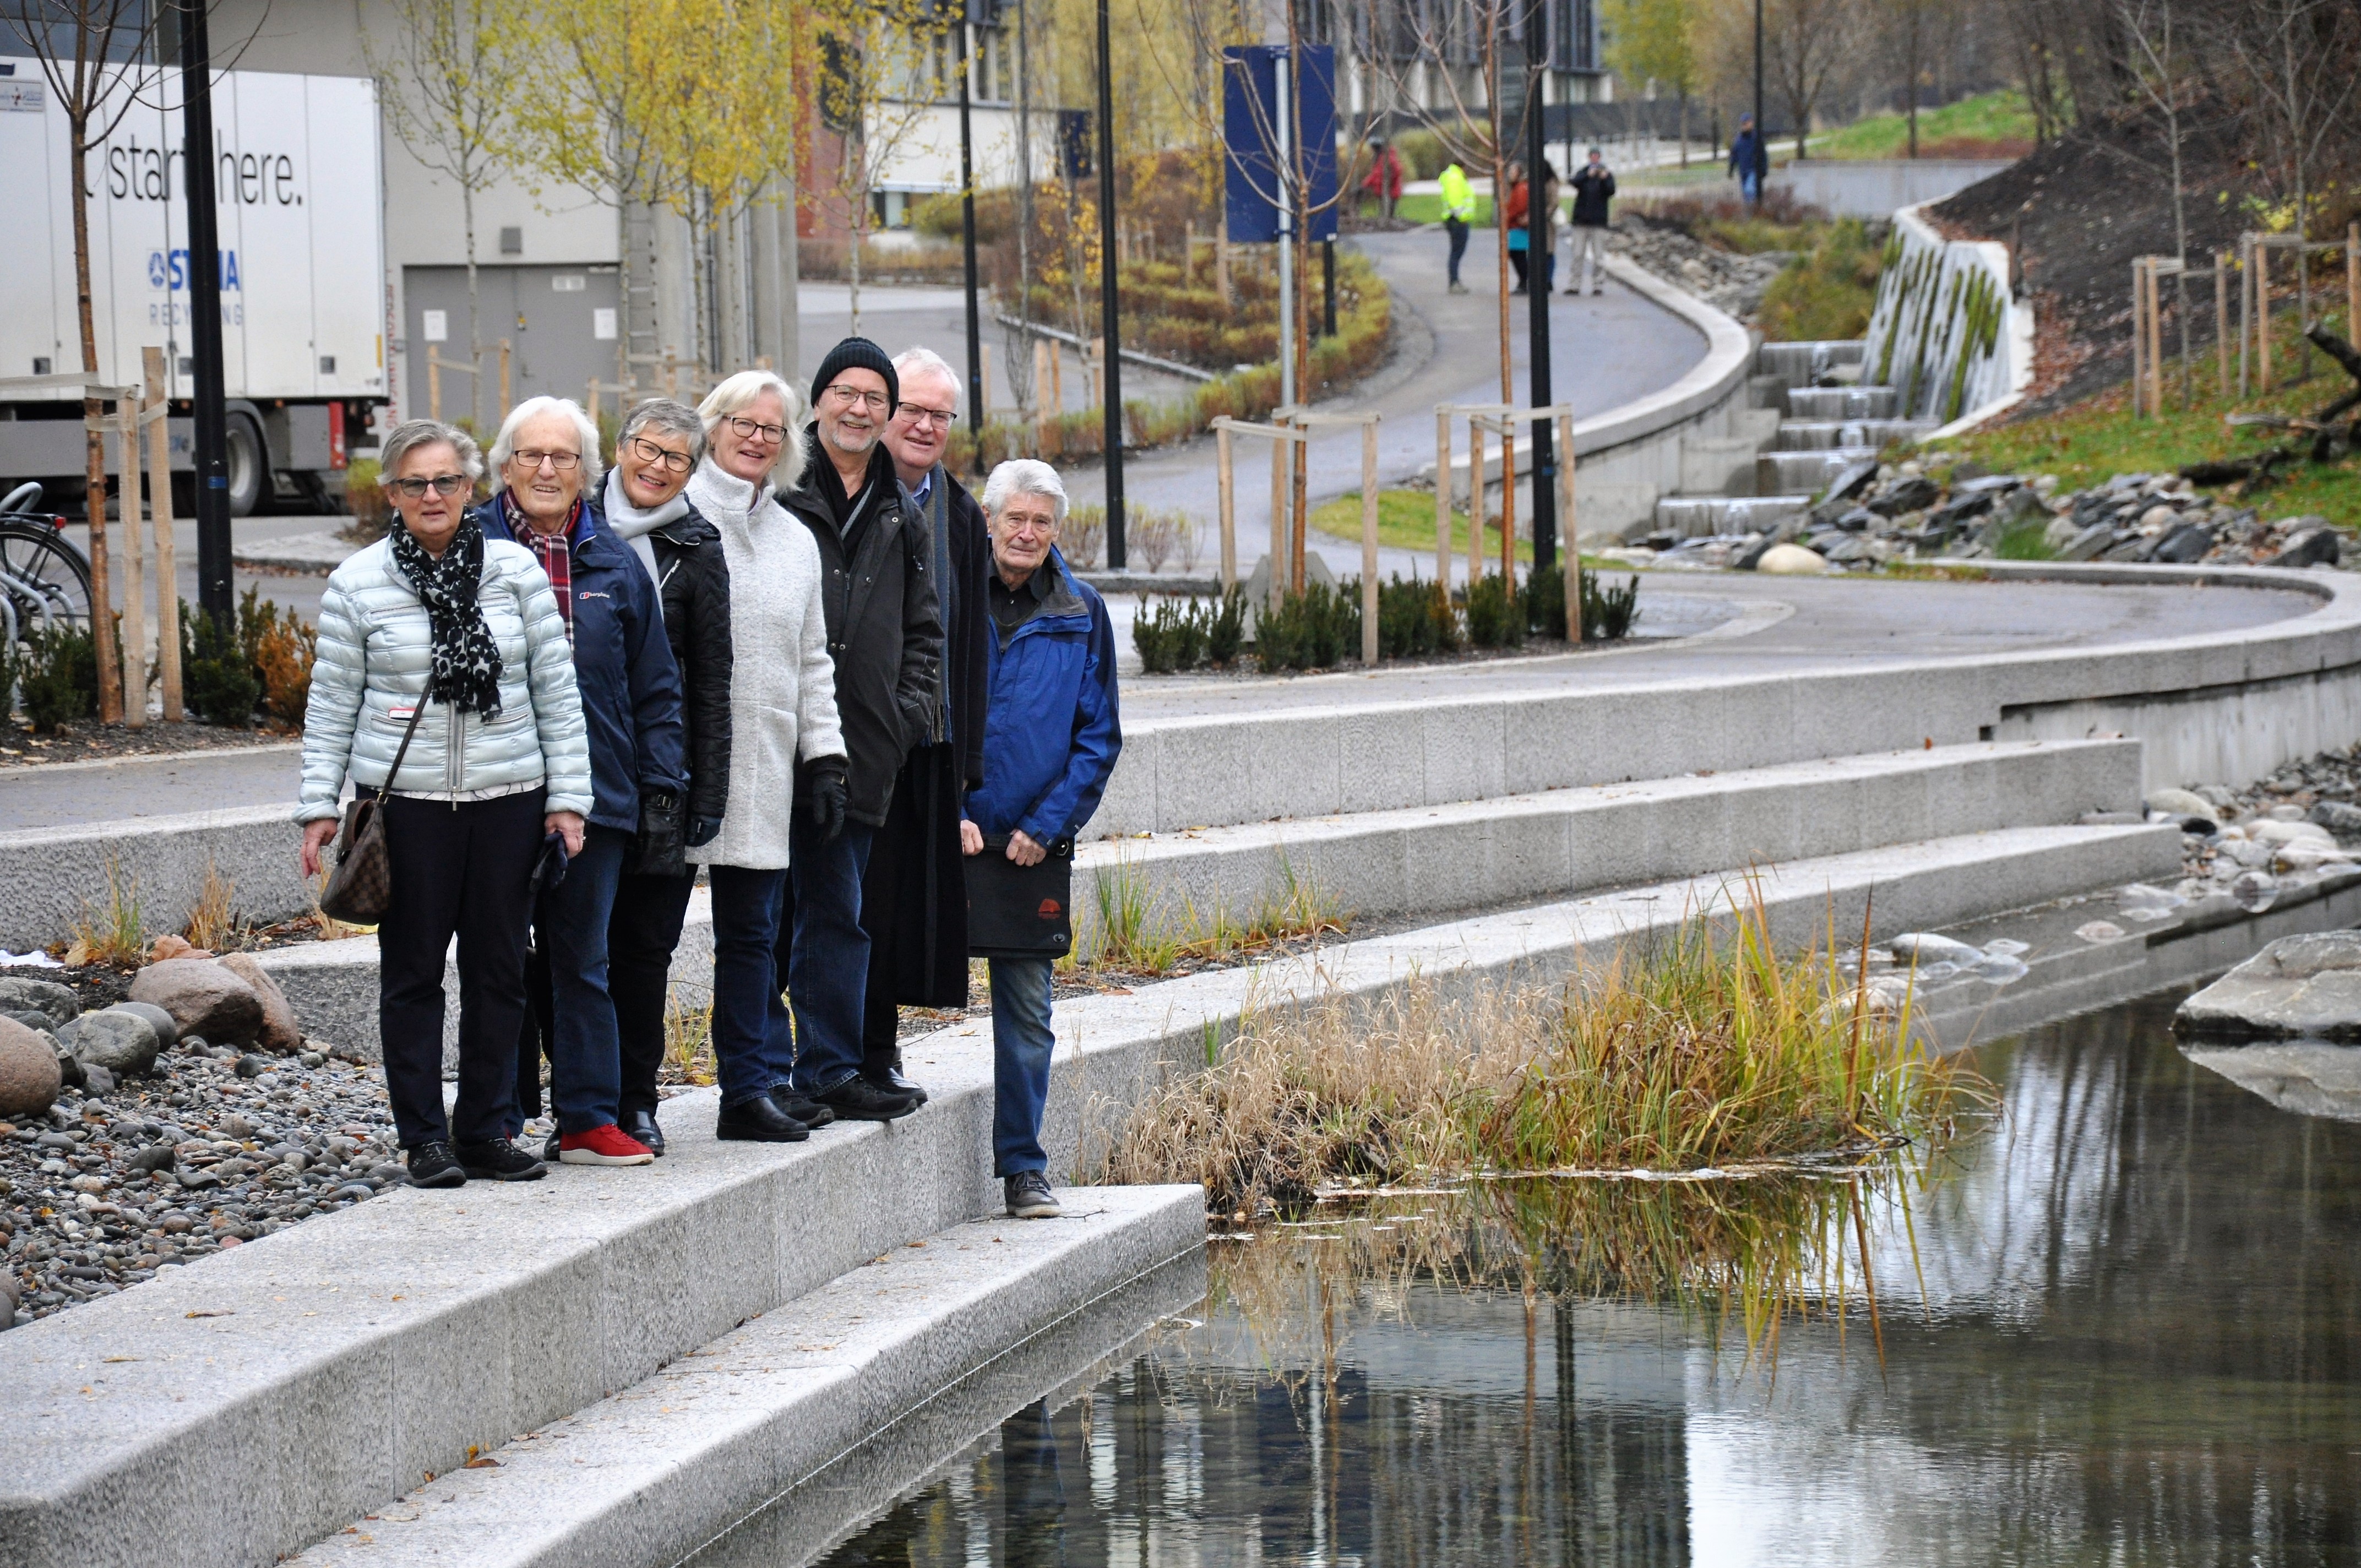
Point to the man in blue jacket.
(1750, 160)
(547, 454)
(1050, 739)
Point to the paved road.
(1761, 625)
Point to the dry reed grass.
(1715, 1051)
(213, 921)
(111, 932)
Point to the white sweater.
(781, 682)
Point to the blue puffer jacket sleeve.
(339, 674)
(1062, 808)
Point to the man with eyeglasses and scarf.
(884, 634)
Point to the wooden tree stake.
(135, 586)
(159, 501)
(1369, 543)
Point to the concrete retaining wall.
(1875, 187)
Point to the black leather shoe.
(887, 1076)
(758, 1121)
(858, 1100)
(640, 1125)
(500, 1160)
(803, 1108)
(549, 1147)
(433, 1164)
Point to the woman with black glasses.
(451, 645)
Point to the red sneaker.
(609, 1144)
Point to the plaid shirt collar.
(554, 552)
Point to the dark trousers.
(746, 1057)
(914, 905)
(642, 933)
(458, 870)
(570, 928)
(1518, 259)
(1458, 230)
(824, 952)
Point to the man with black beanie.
(884, 632)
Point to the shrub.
(218, 678)
(1170, 637)
(284, 662)
(364, 498)
(1415, 618)
(1607, 613)
(1225, 627)
(1496, 613)
(1082, 535)
(1310, 630)
(55, 673)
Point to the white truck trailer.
(304, 300)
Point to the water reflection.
(2135, 1343)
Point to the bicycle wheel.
(42, 575)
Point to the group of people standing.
(1594, 188)
(796, 657)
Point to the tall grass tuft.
(1716, 1050)
(113, 931)
(213, 921)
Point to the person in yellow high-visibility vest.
(1458, 213)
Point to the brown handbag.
(361, 883)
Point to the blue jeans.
(1021, 1043)
(585, 1072)
(745, 981)
(1749, 185)
(824, 953)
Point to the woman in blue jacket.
(1050, 739)
(547, 456)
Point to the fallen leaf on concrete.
(486, 1463)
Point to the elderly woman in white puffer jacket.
(786, 749)
(437, 616)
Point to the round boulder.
(1792, 561)
(125, 1044)
(203, 996)
(29, 1076)
(168, 1034)
(39, 996)
(280, 1033)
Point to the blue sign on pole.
(1250, 136)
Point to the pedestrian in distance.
(884, 634)
(786, 748)
(444, 687)
(911, 903)
(1520, 232)
(1458, 217)
(547, 456)
(1594, 188)
(1750, 160)
(1384, 179)
(646, 506)
(1051, 737)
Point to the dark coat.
(1748, 152)
(693, 581)
(1593, 189)
(917, 936)
(622, 667)
(885, 630)
(1053, 734)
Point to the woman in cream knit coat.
(783, 733)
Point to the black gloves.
(658, 850)
(701, 830)
(824, 787)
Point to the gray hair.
(927, 359)
(739, 391)
(669, 416)
(585, 435)
(412, 434)
(1024, 477)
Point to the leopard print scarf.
(466, 670)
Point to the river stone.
(280, 1033)
(2310, 1078)
(203, 996)
(168, 1034)
(29, 1075)
(2309, 542)
(123, 1043)
(2304, 987)
(2338, 817)
(40, 995)
(2180, 803)
(1791, 561)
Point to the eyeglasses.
(563, 462)
(938, 419)
(755, 429)
(848, 394)
(674, 461)
(441, 484)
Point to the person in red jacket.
(1384, 179)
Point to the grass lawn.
(2096, 439)
(1999, 121)
(1406, 521)
(1428, 209)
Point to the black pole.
(209, 403)
(1328, 288)
(1762, 131)
(1111, 371)
(967, 241)
(1537, 247)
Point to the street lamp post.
(207, 400)
(1111, 371)
(1537, 247)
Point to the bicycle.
(44, 580)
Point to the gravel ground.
(216, 1150)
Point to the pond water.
(2121, 1327)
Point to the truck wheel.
(249, 467)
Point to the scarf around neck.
(465, 673)
(627, 522)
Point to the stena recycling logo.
(169, 270)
